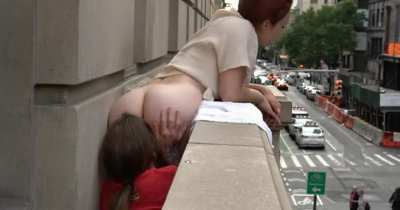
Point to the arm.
(232, 87)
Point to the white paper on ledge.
(231, 112)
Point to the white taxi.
(310, 135)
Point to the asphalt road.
(348, 160)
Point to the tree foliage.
(323, 34)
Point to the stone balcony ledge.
(227, 166)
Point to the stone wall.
(62, 65)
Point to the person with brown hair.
(216, 64)
(135, 172)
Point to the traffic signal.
(338, 87)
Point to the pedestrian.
(363, 204)
(395, 199)
(353, 202)
(135, 173)
(217, 63)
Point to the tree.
(322, 35)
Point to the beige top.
(227, 41)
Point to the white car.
(312, 92)
(297, 123)
(291, 78)
(310, 135)
(306, 88)
(300, 86)
(298, 111)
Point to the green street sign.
(316, 182)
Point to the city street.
(348, 160)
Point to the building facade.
(390, 61)
(62, 65)
(374, 94)
(304, 5)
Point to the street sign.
(316, 182)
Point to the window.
(378, 20)
(314, 1)
(370, 18)
(373, 19)
(376, 47)
(326, 1)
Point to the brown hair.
(257, 11)
(128, 149)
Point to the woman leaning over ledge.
(216, 63)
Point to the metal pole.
(315, 202)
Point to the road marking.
(330, 144)
(309, 161)
(297, 180)
(384, 160)
(305, 200)
(286, 145)
(330, 156)
(372, 160)
(393, 157)
(322, 160)
(296, 161)
(350, 162)
(283, 163)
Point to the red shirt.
(152, 186)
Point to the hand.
(274, 103)
(266, 109)
(170, 127)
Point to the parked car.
(300, 85)
(291, 78)
(262, 63)
(312, 92)
(306, 88)
(259, 75)
(310, 135)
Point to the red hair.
(257, 11)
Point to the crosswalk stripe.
(330, 156)
(372, 160)
(393, 157)
(322, 160)
(296, 161)
(309, 161)
(350, 162)
(384, 160)
(283, 163)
